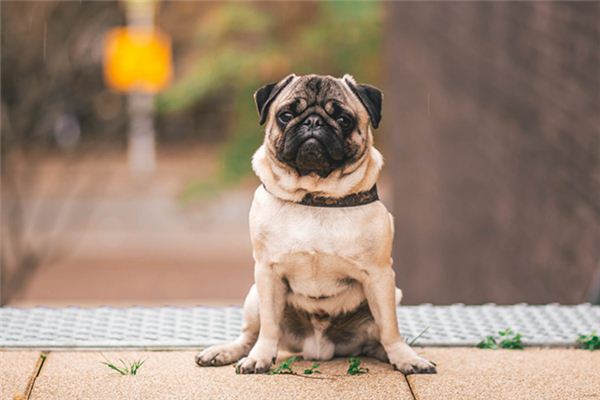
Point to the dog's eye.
(285, 117)
(344, 122)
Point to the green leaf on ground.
(488, 343)
(508, 339)
(314, 369)
(354, 367)
(511, 340)
(589, 342)
(285, 367)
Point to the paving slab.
(472, 374)
(174, 375)
(16, 367)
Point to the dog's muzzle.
(313, 146)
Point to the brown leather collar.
(351, 200)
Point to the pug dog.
(322, 241)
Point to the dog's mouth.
(316, 151)
(312, 157)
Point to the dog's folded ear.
(369, 96)
(266, 94)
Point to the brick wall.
(492, 122)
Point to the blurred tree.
(496, 150)
(53, 99)
(242, 46)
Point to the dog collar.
(351, 200)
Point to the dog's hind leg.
(228, 353)
(375, 350)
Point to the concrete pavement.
(464, 373)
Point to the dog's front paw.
(260, 359)
(220, 355)
(253, 365)
(405, 360)
(415, 365)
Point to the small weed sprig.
(508, 340)
(488, 343)
(354, 367)
(314, 369)
(589, 342)
(125, 369)
(285, 368)
(414, 340)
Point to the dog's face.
(317, 124)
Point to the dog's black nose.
(313, 121)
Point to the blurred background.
(128, 127)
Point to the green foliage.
(354, 367)
(589, 342)
(285, 368)
(242, 46)
(125, 368)
(314, 369)
(508, 339)
(488, 343)
(204, 189)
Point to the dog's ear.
(266, 94)
(369, 96)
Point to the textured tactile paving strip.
(171, 327)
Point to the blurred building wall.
(492, 114)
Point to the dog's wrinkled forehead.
(311, 91)
(316, 90)
(320, 90)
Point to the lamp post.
(138, 62)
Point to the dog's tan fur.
(312, 261)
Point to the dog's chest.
(317, 249)
(305, 233)
(315, 255)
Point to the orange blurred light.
(137, 59)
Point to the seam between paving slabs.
(26, 395)
(413, 393)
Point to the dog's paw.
(415, 365)
(405, 360)
(220, 355)
(252, 365)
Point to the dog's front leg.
(379, 287)
(271, 299)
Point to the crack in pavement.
(410, 387)
(32, 378)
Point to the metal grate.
(166, 327)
